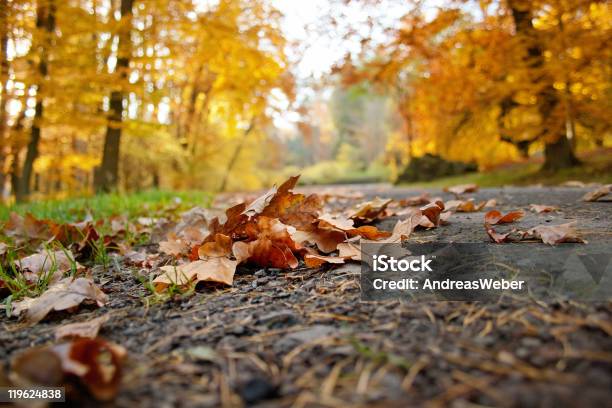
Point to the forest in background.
(101, 95)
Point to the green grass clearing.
(106, 205)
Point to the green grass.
(596, 169)
(103, 206)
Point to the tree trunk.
(45, 19)
(4, 76)
(557, 150)
(107, 175)
(234, 158)
(559, 155)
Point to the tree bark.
(107, 175)
(45, 20)
(4, 76)
(558, 151)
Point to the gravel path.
(305, 339)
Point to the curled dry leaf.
(86, 330)
(431, 214)
(367, 212)
(261, 202)
(556, 234)
(63, 295)
(464, 206)
(539, 208)
(495, 217)
(462, 189)
(95, 363)
(597, 194)
(499, 237)
(329, 222)
(215, 270)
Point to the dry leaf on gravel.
(463, 205)
(431, 214)
(462, 189)
(367, 212)
(597, 194)
(314, 261)
(86, 330)
(541, 208)
(495, 217)
(95, 363)
(499, 237)
(556, 234)
(415, 201)
(63, 295)
(214, 270)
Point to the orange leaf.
(495, 217)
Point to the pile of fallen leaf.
(279, 229)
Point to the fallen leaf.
(329, 222)
(63, 295)
(556, 234)
(491, 203)
(539, 209)
(40, 265)
(431, 214)
(415, 201)
(173, 245)
(404, 228)
(497, 237)
(261, 202)
(95, 363)
(367, 212)
(463, 206)
(220, 246)
(215, 270)
(314, 261)
(597, 194)
(87, 330)
(495, 217)
(462, 189)
(349, 250)
(326, 240)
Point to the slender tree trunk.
(45, 20)
(558, 153)
(4, 76)
(107, 175)
(234, 158)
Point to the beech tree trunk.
(558, 152)
(45, 19)
(107, 175)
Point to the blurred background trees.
(104, 95)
